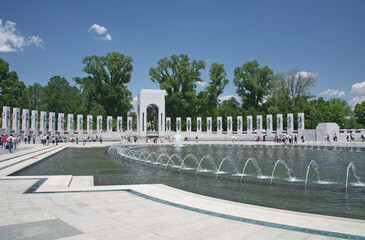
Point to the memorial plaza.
(72, 207)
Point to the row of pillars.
(250, 130)
(38, 122)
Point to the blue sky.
(41, 39)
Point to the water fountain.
(241, 173)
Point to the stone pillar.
(129, 124)
(6, 119)
(16, 120)
(279, 124)
(209, 125)
(219, 125)
(259, 125)
(109, 124)
(168, 124)
(249, 125)
(188, 124)
(300, 124)
(34, 122)
(229, 125)
(178, 124)
(25, 121)
(239, 124)
(80, 124)
(99, 124)
(268, 125)
(70, 124)
(89, 128)
(61, 123)
(43, 121)
(290, 124)
(198, 124)
(120, 124)
(52, 123)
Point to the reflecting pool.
(309, 180)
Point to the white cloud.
(306, 74)
(108, 37)
(356, 100)
(98, 29)
(358, 88)
(101, 31)
(333, 93)
(202, 83)
(12, 40)
(227, 97)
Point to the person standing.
(10, 143)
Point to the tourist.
(33, 139)
(84, 140)
(196, 139)
(25, 138)
(10, 141)
(29, 137)
(101, 139)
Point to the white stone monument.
(219, 125)
(80, 124)
(178, 124)
(16, 120)
(120, 124)
(99, 124)
(290, 124)
(209, 125)
(279, 124)
(52, 123)
(6, 119)
(239, 124)
(168, 124)
(268, 125)
(324, 129)
(43, 122)
(61, 123)
(300, 124)
(188, 124)
(249, 125)
(34, 122)
(259, 125)
(70, 124)
(25, 121)
(109, 124)
(89, 128)
(156, 99)
(129, 124)
(198, 124)
(229, 125)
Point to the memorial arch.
(151, 106)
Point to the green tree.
(178, 76)
(58, 96)
(12, 91)
(106, 84)
(360, 113)
(34, 96)
(253, 83)
(216, 86)
(292, 90)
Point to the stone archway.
(151, 100)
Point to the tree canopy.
(178, 75)
(104, 92)
(104, 89)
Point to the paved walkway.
(70, 207)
